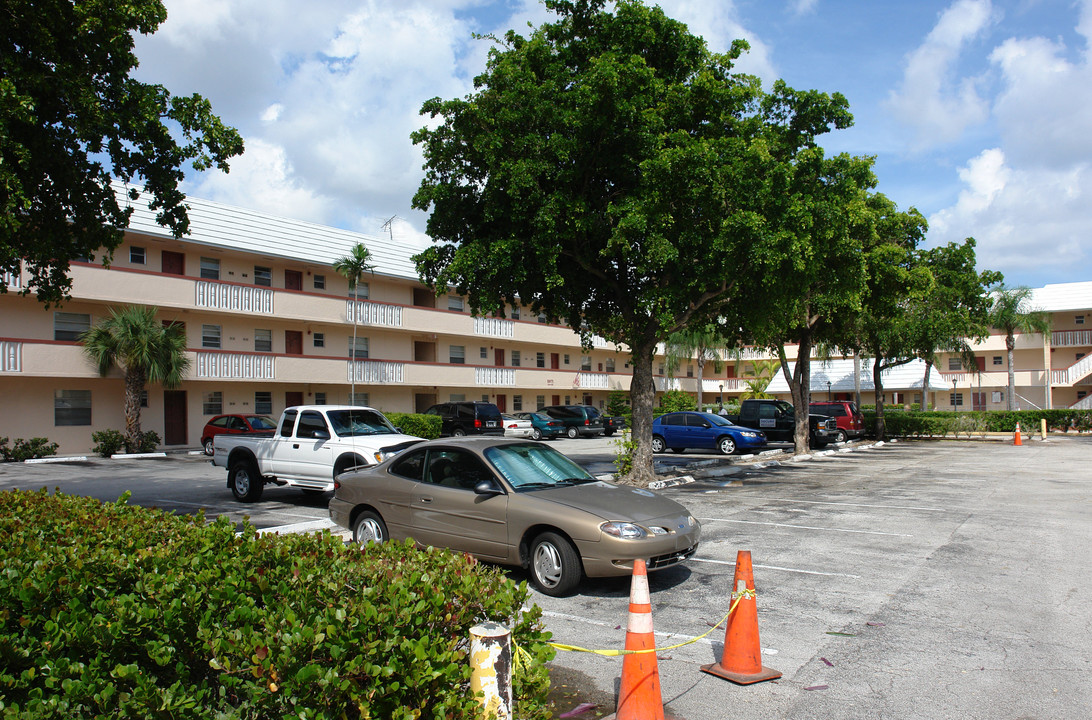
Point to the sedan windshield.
(347, 423)
(533, 467)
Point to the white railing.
(11, 356)
(14, 280)
(1071, 338)
(715, 386)
(591, 381)
(1084, 403)
(376, 372)
(494, 376)
(494, 327)
(1072, 374)
(664, 384)
(243, 298)
(235, 366)
(371, 313)
(600, 342)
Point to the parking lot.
(912, 580)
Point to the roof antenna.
(387, 226)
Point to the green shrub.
(38, 447)
(107, 442)
(146, 442)
(676, 400)
(618, 403)
(417, 424)
(940, 423)
(112, 610)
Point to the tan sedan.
(514, 503)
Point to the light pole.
(828, 391)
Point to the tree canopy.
(72, 120)
(612, 171)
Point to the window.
(144, 398)
(320, 282)
(263, 276)
(362, 292)
(320, 398)
(1081, 394)
(213, 403)
(358, 398)
(955, 364)
(455, 303)
(311, 425)
(610, 364)
(566, 358)
(515, 312)
(540, 402)
(998, 360)
(1079, 356)
(585, 363)
(210, 268)
(69, 326)
(263, 341)
(71, 407)
(567, 400)
(457, 397)
(137, 255)
(956, 399)
(484, 354)
(485, 397)
(1079, 320)
(542, 318)
(319, 339)
(263, 403)
(517, 402)
(515, 358)
(456, 354)
(690, 371)
(540, 360)
(997, 397)
(210, 336)
(660, 369)
(361, 352)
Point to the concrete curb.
(42, 461)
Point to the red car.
(234, 425)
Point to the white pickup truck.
(312, 445)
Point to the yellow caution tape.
(615, 653)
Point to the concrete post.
(491, 669)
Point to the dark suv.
(579, 419)
(849, 418)
(468, 417)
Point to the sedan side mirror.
(487, 487)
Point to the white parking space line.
(299, 527)
(805, 527)
(777, 567)
(846, 504)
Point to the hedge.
(422, 426)
(112, 610)
(906, 423)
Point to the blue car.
(682, 430)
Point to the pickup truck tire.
(726, 445)
(555, 565)
(246, 481)
(369, 527)
(658, 444)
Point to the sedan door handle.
(426, 499)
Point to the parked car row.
(477, 417)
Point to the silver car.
(514, 503)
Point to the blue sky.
(979, 112)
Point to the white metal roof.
(218, 225)
(840, 374)
(1062, 296)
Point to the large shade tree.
(609, 170)
(352, 267)
(1011, 312)
(72, 120)
(144, 349)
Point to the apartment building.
(269, 324)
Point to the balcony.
(373, 313)
(494, 327)
(14, 281)
(1073, 374)
(1071, 338)
(11, 356)
(239, 298)
(376, 372)
(234, 366)
(494, 377)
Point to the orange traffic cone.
(639, 696)
(1016, 436)
(741, 661)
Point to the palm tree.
(763, 375)
(1010, 311)
(352, 267)
(145, 350)
(684, 344)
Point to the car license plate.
(491, 423)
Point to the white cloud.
(803, 7)
(717, 22)
(931, 99)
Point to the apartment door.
(555, 362)
(555, 399)
(498, 357)
(502, 403)
(423, 401)
(293, 398)
(174, 263)
(981, 362)
(293, 280)
(978, 401)
(293, 342)
(174, 417)
(424, 352)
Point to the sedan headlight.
(624, 530)
(749, 434)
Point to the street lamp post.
(828, 391)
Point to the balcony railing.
(494, 327)
(1072, 374)
(14, 281)
(11, 356)
(372, 313)
(242, 298)
(592, 381)
(494, 377)
(1071, 338)
(376, 371)
(234, 366)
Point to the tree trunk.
(800, 388)
(134, 389)
(642, 397)
(701, 373)
(857, 378)
(877, 380)
(352, 350)
(1010, 345)
(925, 386)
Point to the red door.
(555, 362)
(978, 401)
(498, 358)
(293, 280)
(174, 263)
(293, 398)
(293, 342)
(981, 362)
(502, 403)
(556, 399)
(174, 417)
